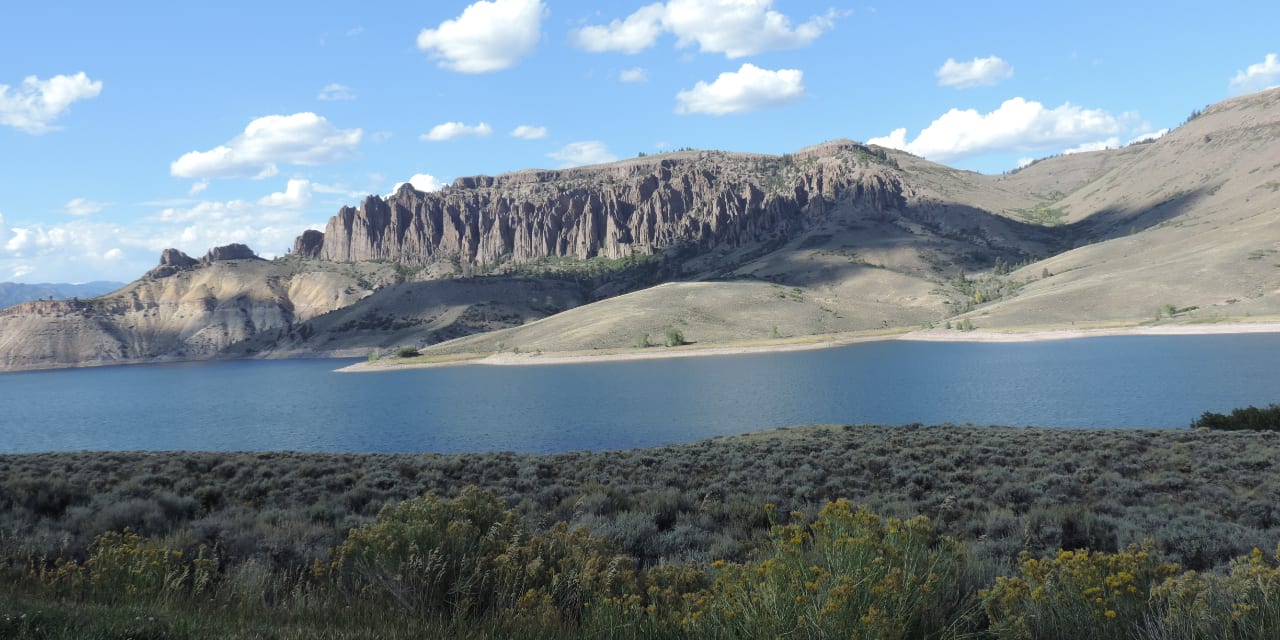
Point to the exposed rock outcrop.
(233, 251)
(644, 205)
(193, 310)
(171, 262)
(309, 243)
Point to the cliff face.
(640, 206)
(183, 309)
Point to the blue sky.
(129, 127)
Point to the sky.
(130, 127)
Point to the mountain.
(728, 247)
(12, 293)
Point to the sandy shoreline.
(930, 335)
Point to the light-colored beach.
(1030, 334)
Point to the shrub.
(675, 337)
(469, 556)
(407, 352)
(1251, 418)
(1077, 594)
(126, 567)
(850, 573)
(643, 341)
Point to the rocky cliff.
(640, 206)
(182, 309)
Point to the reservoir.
(1110, 382)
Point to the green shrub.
(643, 341)
(126, 567)
(675, 337)
(1077, 594)
(469, 556)
(1248, 418)
(407, 352)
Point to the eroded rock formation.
(642, 206)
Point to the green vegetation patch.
(1250, 418)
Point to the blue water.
(1143, 381)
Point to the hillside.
(729, 248)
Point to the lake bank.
(1011, 335)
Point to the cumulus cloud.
(735, 28)
(487, 36)
(529, 132)
(451, 130)
(1017, 125)
(979, 72)
(302, 139)
(335, 91)
(633, 34)
(747, 89)
(636, 74)
(83, 249)
(1256, 77)
(21, 270)
(1097, 145)
(576, 154)
(1146, 137)
(35, 104)
(83, 207)
(198, 187)
(296, 194)
(424, 182)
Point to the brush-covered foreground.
(687, 541)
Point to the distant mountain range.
(728, 248)
(12, 293)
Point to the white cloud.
(1023, 163)
(424, 182)
(632, 35)
(735, 28)
(1097, 145)
(296, 195)
(1017, 125)
(198, 187)
(636, 74)
(748, 89)
(451, 130)
(34, 105)
(84, 249)
(83, 207)
(1256, 77)
(302, 139)
(21, 270)
(335, 91)
(488, 36)
(979, 72)
(576, 154)
(529, 132)
(1154, 135)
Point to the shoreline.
(1012, 335)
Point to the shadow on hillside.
(1114, 222)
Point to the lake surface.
(1123, 381)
